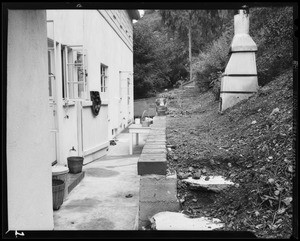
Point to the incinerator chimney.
(239, 80)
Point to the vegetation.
(251, 144)
(171, 44)
(159, 57)
(272, 31)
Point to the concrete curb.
(158, 192)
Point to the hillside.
(251, 143)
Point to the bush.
(212, 61)
(275, 48)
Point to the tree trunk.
(190, 50)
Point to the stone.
(180, 221)
(214, 183)
(197, 175)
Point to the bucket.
(75, 164)
(58, 189)
(145, 123)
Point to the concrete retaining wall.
(158, 192)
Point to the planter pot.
(58, 190)
(161, 110)
(75, 164)
(145, 123)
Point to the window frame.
(70, 81)
(103, 78)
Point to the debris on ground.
(212, 183)
(180, 221)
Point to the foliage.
(159, 58)
(275, 41)
(206, 25)
(212, 61)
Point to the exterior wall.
(106, 43)
(28, 127)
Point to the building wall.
(28, 137)
(106, 43)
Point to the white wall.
(28, 123)
(105, 44)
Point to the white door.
(52, 93)
(125, 110)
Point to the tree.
(208, 24)
(159, 56)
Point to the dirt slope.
(250, 143)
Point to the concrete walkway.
(108, 196)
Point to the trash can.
(58, 189)
(75, 164)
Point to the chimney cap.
(244, 7)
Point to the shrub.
(212, 61)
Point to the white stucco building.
(55, 58)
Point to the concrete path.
(108, 196)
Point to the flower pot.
(145, 123)
(58, 189)
(75, 164)
(161, 110)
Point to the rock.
(212, 162)
(182, 175)
(214, 183)
(204, 170)
(175, 158)
(197, 175)
(180, 221)
(274, 111)
(287, 201)
(191, 169)
(253, 122)
(194, 200)
(229, 164)
(271, 180)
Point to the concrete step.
(152, 164)
(158, 193)
(73, 180)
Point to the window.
(74, 73)
(51, 70)
(104, 78)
